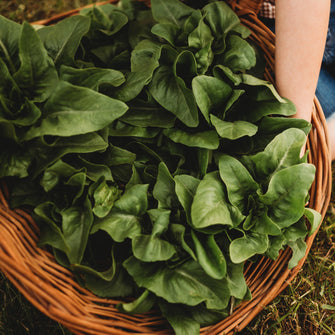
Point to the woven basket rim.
(53, 290)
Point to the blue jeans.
(325, 90)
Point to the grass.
(31, 10)
(18, 316)
(307, 306)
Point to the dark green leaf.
(282, 152)
(210, 93)
(121, 285)
(185, 66)
(171, 93)
(261, 223)
(210, 205)
(118, 156)
(122, 129)
(124, 219)
(257, 110)
(48, 153)
(221, 19)
(37, 75)
(91, 78)
(28, 114)
(236, 282)
(204, 159)
(118, 225)
(314, 218)
(104, 198)
(9, 42)
(238, 181)
(168, 31)
(55, 174)
(209, 255)
(201, 36)
(106, 19)
(145, 56)
(76, 225)
(77, 184)
(178, 232)
(276, 244)
(287, 192)
(187, 283)
(164, 189)
(205, 139)
(106, 275)
(153, 248)
(95, 171)
(170, 11)
(247, 246)
(296, 231)
(62, 39)
(144, 60)
(180, 320)
(224, 73)
(140, 28)
(299, 248)
(25, 192)
(146, 114)
(15, 160)
(233, 130)
(141, 305)
(239, 54)
(134, 179)
(51, 233)
(275, 125)
(74, 110)
(135, 81)
(207, 317)
(160, 219)
(8, 87)
(186, 187)
(263, 89)
(192, 21)
(204, 58)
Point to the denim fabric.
(329, 55)
(325, 90)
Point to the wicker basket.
(52, 289)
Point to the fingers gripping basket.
(52, 289)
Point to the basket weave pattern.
(52, 289)
(251, 5)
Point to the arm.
(301, 31)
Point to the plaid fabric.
(268, 9)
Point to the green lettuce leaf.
(74, 110)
